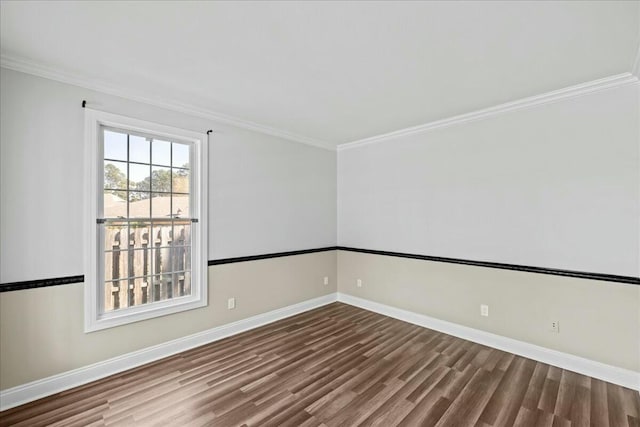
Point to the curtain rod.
(84, 105)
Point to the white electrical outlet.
(484, 310)
(359, 283)
(326, 280)
(555, 326)
(231, 303)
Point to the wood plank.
(599, 403)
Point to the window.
(146, 193)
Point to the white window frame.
(94, 279)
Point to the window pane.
(139, 149)
(161, 253)
(146, 289)
(181, 258)
(161, 152)
(134, 289)
(115, 236)
(144, 262)
(139, 204)
(161, 261)
(116, 265)
(163, 287)
(132, 268)
(162, 235)
(115, 175)
(156, 288)
(169, 285)
(180, 181)
(181, 206)
(115, 204)
(181, 155)
(161, 179)
(139, 289)
(113, 295)
(139, 235)
(182, 233)
(115, 145)
(161, 205)
(139, 177)
(183, 283)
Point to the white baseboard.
(25, 393)
(21, 394)
(612, 374)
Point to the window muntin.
(147, 229)
(153, 264)
(146, 223)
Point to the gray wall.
(266, 195)
(554, 185)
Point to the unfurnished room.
(320, 213)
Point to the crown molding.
(545, 98)
(36, 69)
(40, 70)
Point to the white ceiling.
(331, 71)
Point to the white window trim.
(93, 319)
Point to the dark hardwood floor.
(339, 366)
